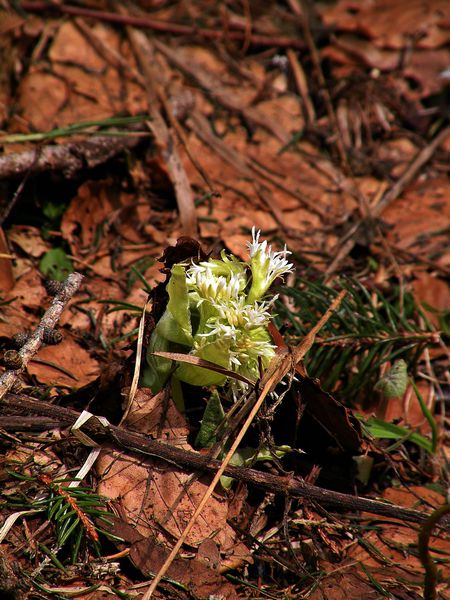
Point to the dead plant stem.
(431, 574)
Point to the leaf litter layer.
(218, 120)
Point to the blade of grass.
(428, 416)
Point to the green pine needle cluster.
(369, 330)
(75, 512)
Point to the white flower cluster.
(211, 287)
(233, 320)
(218, 311)
(266, 265)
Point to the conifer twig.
(48, 322)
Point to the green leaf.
(429, 417)
(248, 456)
(212, 418)
(394, 383)
(174, 327)
(55, 264)
(175, 324)
(383, 430)
(216, 352)
(53, 211)
(157, 371)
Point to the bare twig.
(48, 322)
(165, 26)
(164, 138)
(146, 446)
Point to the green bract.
(217, 311)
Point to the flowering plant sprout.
(219, 311)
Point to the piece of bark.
(66, 158)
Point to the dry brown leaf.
(285, 110)
(420, 219)
(392, 24)
(365, 52)
(146, 493)
(201, 575)
(207, 61)
(79, 84)
(396, 541)
(29, 240)
(159, 498)
(30, 457)
(89, 217)
(101, 218)
(29, 290)
(425, 67)
(81, 368)
(345, 584)
(407, 411)
(417, 497)
(156, 415)
(42, 97)
(430, 291)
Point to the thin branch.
(166, 26)
(48, 322)
(146, 446)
